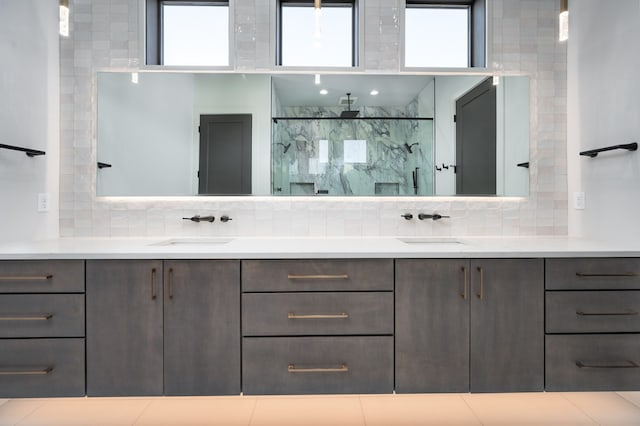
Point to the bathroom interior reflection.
(312, 135)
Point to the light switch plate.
(578, 200)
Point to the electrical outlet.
(43, 202)
(578, 200)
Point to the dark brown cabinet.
(317, 326)
(163, 328)
(124, 327)
(42, 330)
(592, 324)
(469, 325)
(202, 327)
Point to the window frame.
(153, 46)
(477, 31)
(355, 29)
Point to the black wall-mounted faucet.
(435, 216)
(225, 218)
(407, 216)
(198, 218)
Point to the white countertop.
(310, 247)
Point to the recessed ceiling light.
(373, 92)
(324, 91)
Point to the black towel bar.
(30, 152)
(594, 152)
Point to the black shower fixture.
(406, 145)
(286, 147)
(348, 113)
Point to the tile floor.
(604, 408)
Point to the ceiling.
(394, 90)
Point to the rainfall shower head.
(348, 113)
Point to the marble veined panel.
(352, 156)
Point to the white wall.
(242, 94)
(29, 117)
(148, 139)
(603, 110)
(447, 90)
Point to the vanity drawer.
(317, 275)
(317, 365)
(41, 276)
(41, 315)
(602, 362)
(293, 314)
(592, 311)
(41, 367)
(593, 274)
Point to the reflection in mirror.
(418, 135)
(401, 141)
(170, 134)
(350, 141)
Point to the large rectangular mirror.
(172, 134)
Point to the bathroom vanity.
(336, 316)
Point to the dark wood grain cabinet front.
(469, 325)
(592, 324)
(317, 326)
(157, 327)
(42, 328)
(202, 327)
(124, 327)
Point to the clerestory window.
(320, 33)
(187, 33)
(444, 34)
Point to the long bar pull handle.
(26, 278)
(153, 284)
(613, 275)
(169, 283)
(465, 284)
(604, 314)
(42, 372)
(341, 369)
(292, 315)
(623, 364)
(43, 317)
(481, 294)
(318, 277)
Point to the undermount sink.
(430, 240)
(195, 241)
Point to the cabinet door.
(432, 325)
(202, 327)
(124, 327)
(507, 325)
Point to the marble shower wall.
(316, 156)
(105, 34)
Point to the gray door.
(202, 327)
(225, 154)
(476, 141)
(124, 327)
(507, 325)
(432, 325)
